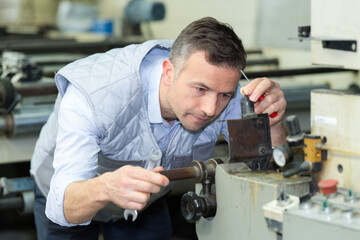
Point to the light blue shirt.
(77, 143)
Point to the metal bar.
(25, 121)
(16, 185)
(37, 90)
(63, 45)
(268, 61)
(11, 203)
(253, 51)
(180, 173)
(292, 72)
(345, 45)
(255, 132)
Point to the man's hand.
(273, 101)
(128, 187)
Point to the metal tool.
(155, 156)
(274, 114)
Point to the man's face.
(200, 92)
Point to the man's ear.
(168, 72)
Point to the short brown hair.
(221, 45)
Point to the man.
(114, 108)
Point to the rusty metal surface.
(198, 170)
(250, 142)
(37, 90)
(180, 173)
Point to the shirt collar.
(154, 112)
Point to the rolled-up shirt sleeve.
(76, 153)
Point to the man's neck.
(166, 112)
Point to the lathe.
(309, 188)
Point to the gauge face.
(279, 157)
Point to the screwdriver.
(274, 114)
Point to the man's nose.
(209, 105)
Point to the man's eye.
(200, 89)
(226, 95)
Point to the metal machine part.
(8, 96)
(17, 67)
(16, 193)
(247, 108)
(332, 213)
(24, 121)
(325, 218)
(249, 137)
(296, 136)
(250, 141)
(313, 156)
(138, 11)
(240, 197)
(15, 185)
(294, 146)
(22, 202)
(328, 215)
(333, 116)
(196, 205)
(198, 171)
(305, 146)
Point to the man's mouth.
(201, 120)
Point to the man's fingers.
(158, 169)
(274, 102)
(142, 174)
(135, 200)
(139, 197)
(134, 205)
(267, 97)
(258, 87)
(278, 107)
(143, 186)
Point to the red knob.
(328, 186)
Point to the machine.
(310, 189)
(305, 189)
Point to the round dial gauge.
(280, 157)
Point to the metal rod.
(180, 173)
(65, 45)
(292, 72)
(254, 51)
(242, 72)
(25, 121)
(267, 61)
(37, 90)
(11, 203)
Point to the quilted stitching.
(112, 85)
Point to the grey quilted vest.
(112, 86)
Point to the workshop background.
(38, 37)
